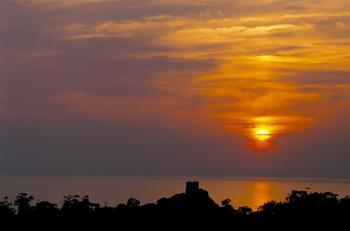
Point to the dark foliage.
(192, 210)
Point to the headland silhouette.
(192, 209)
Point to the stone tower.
(192, 187)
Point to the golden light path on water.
(252, 192)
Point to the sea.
(112, 190)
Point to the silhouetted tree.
(271, 208)
(226, 205)
(6, 208)
(132, 203)
(74, 205)
(46, 209)
(226, 202)
(193, 210)
(244, 210)
(23, 203)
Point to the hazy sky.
(239, 88)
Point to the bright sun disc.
(262, 134)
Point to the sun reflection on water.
(261, 193)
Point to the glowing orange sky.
(276, 70)
(265, 73)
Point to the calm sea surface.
(242, 191)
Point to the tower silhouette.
(192, 187)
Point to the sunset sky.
(175, 87)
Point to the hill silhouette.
(193, 209)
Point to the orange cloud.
(262, 61)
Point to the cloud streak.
(204, 70)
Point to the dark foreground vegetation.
(192, 210)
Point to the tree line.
(299, 210)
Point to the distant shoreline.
(116, 189)
(193, 207)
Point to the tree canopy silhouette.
(192, 209)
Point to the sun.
(262, 134)
(261, 137)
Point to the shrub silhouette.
(194, 210)
(23, 203)
(46, 209)
(6, 208)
